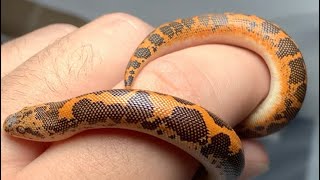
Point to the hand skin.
(61, 61)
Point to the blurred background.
(294, 152)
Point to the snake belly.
(186, 125)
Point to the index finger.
(17, 51)
(84, 59)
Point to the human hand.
(226, 80)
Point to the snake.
(184, 124)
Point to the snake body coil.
(182, 123)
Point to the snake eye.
(21, 129)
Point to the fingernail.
(253, 170)
(261, 168)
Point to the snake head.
(22, 125)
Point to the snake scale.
(182, 123)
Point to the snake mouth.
(6, 129)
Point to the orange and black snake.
(182, 123)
